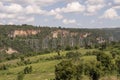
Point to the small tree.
(68, 48)
(3, 67)
(64, 71)
(20, 76)
(28, 70)
(106, 61)
(22, 59)
(118, 65)
(94, 73)
(73, 55)
(58, 49)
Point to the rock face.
(24, 33)
(63, 33)
(10, 51)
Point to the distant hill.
(28, 38)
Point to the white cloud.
(117, 1)
(116, 7)
(7, 16)
(10, 23)
(13, 8)
(110, 14)
(16, 13)
(54, 13)
(92, 9)
(1, 4)
(58, 10)
(93, 6)
(26, 11)
(41, 2)
(73, 7)
(58, 16)
(92, 2)
(33, 9)
(70, 7)
(67, 21)
(23, 20)
(31, 2)
(31, 19)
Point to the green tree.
(106, 61)
(20, 76)
(58, 49)
(4, 67)
(65, 71)
(73, 55)
(118, 64)
(27, 70)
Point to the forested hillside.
(27, 38)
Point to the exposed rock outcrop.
(10, 51)
(23, 33)
(63, 33)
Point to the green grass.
(42, 70)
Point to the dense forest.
(24, 39)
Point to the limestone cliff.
(23, 33)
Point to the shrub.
(28, 70)
(114, 53)
(55, 58)
(64, 71)
(73, 54)
(4, 67)
(68, 48)
(20, 76)
(76, 47)
(106, 61)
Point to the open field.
(43, 69)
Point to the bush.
(4, 67)
(65, 71)
(28, 70)
(68, 48)
(118, 64)
(114, 53)
(88, 53)
(76, 47)
(73, 55)
(106, 61)
(55, 58)
(20, 76)
(95, 52)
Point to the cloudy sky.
(65, 13)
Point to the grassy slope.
(42, 70)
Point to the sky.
(64, 13)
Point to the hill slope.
(27, 38)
